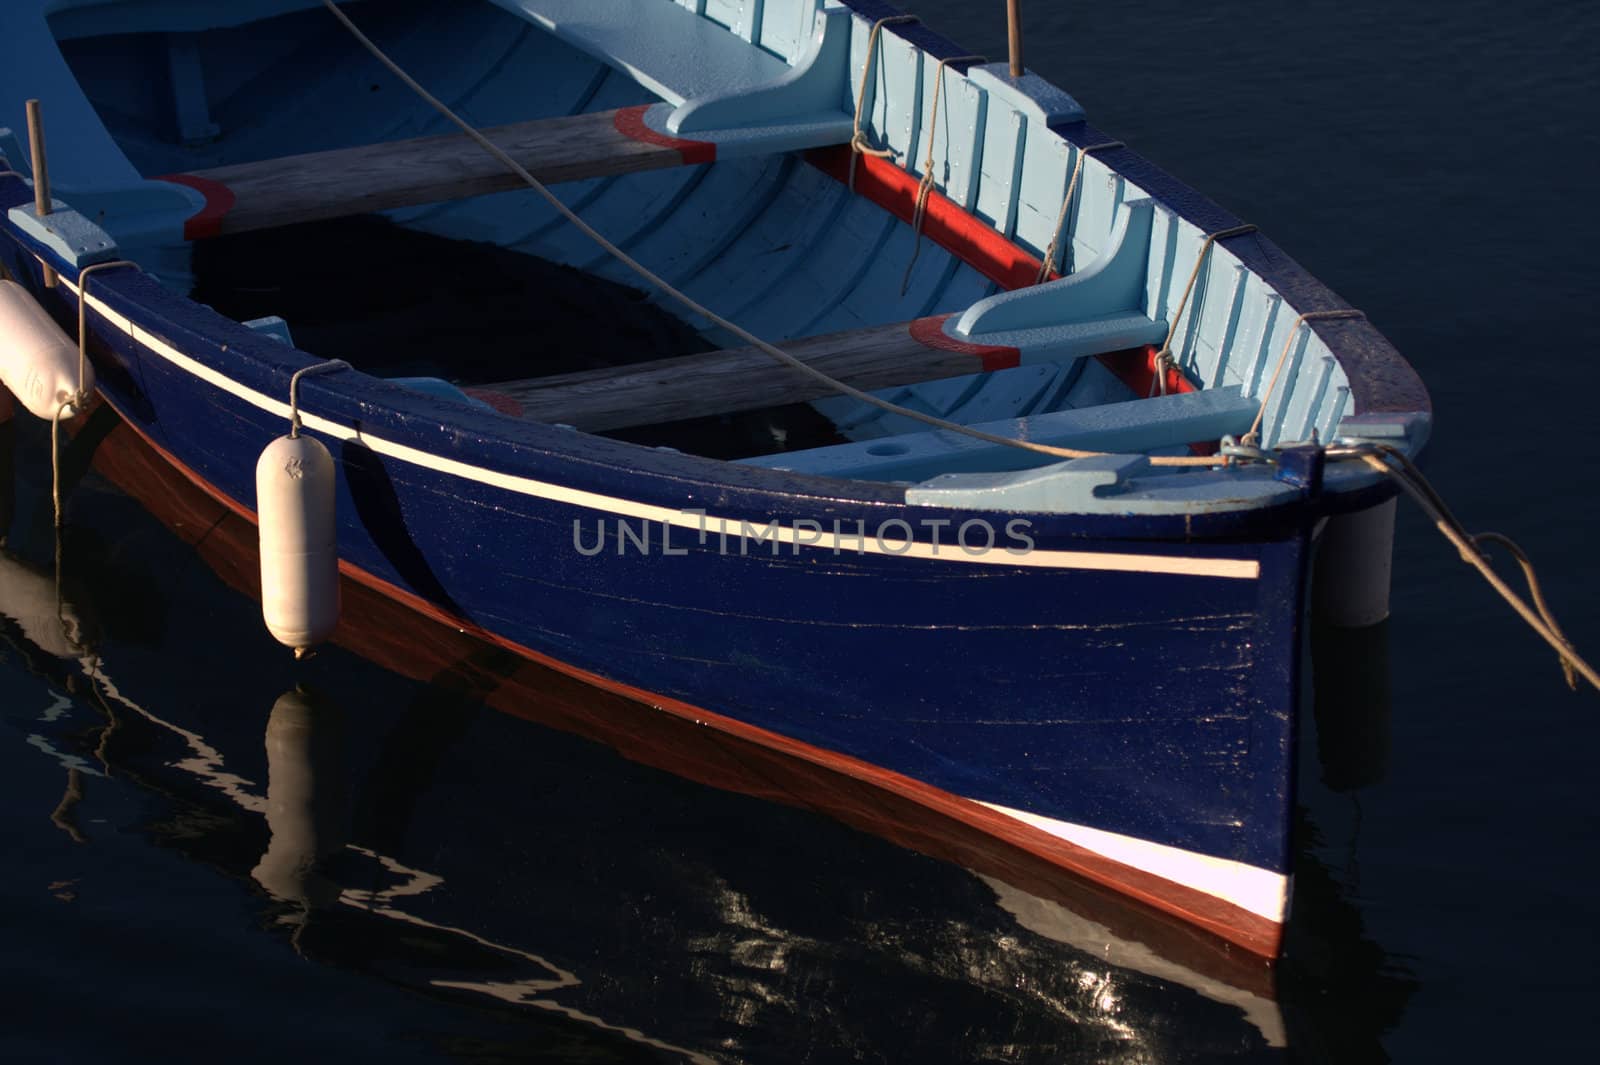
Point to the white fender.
(299, 541)
(38, 362)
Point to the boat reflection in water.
(305, 799)
(410, 835)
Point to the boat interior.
(353, 236)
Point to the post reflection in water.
(405, 835)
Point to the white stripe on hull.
(847, 543)
(1260, 891)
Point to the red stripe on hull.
(630, 123)
(219, 201)
(944, 221)
(1223, 920)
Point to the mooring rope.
(84, 273)
(1048, 261)
(1163, 359)
(695, 307)
(1536, 592)
(1394, 463)
(76, 402)
(1254, 435)
(859, 145)
(55, 458)
(925, 186)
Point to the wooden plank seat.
(378, 177)
(722, 382)
(1139, 425)
(733, 98)
(739, 379)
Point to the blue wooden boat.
(492, 762)
(1095, 659)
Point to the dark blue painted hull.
(1153, 705)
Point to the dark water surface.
(490, 888)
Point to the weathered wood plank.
(723, 382)
(378, 177)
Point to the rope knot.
(859, 144)
(925, 186)
(1159, 365)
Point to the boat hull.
(456, 672)
(1123, 705)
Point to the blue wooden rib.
(1134, 426)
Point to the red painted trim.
(630, 123)
(929, 332)
(219, 201)
(944, 221)
(1222, 919)
(1137, 370)
(977, 244)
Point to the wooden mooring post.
(41, 175)
(1014, 35)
